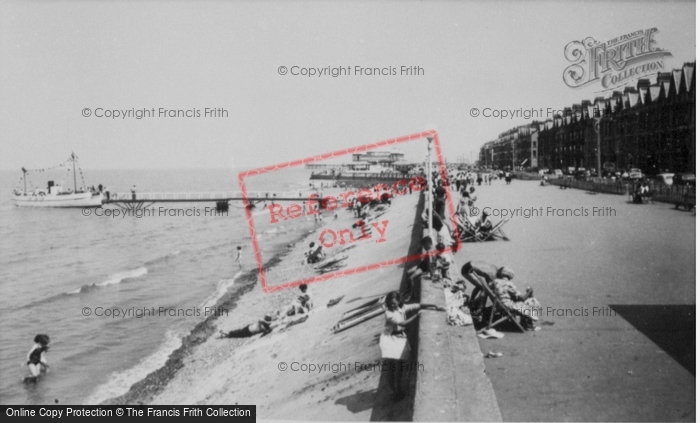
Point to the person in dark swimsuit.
(36, 358)
(262, 326)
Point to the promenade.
(617, 283)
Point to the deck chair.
(497, 306)
(496, 232)
(467, 231)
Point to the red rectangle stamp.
(313, 204)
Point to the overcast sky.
(59, 58)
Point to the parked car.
(570, 170)
(558, 173)
(684, 178)
(665, 178)
(635, 173)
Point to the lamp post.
(430, 189)
(596, 127)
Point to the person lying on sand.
(263, 325)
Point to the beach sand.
(248, 371)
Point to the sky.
(61, 58)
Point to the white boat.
(55, 195)
(53, 198)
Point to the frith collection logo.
(615, 62)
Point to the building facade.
(651, 127)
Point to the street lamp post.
(430, 189)
(596, 127)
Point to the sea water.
(87, 281)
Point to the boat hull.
(83, 199)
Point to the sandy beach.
(248, 371)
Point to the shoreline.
(155, 382)
(246, 371)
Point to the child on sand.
(37, 357)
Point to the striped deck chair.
(496, 232)
(498, 307)
(467, 231)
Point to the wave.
(165, 258)
(222, 287)
(112, 279)
(120, 382)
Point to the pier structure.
(132, 201)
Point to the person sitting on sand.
(36, 358)
(315, 254)
(299, 305)
(263, 325)
(308, 302)
(526, 306)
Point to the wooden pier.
(130, 201)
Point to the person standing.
(133, 192)
(106, 192)
(239, 256)
(393, 342)
(36, 359)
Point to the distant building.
(363, 161)
(651, 127)
(378, 157)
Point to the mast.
(24, 178)
(75, 183)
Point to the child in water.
(36, 357)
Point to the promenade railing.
(674, 194)
(600, 185)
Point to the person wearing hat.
(263, 325)
(526, 306)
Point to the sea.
(88, 280)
